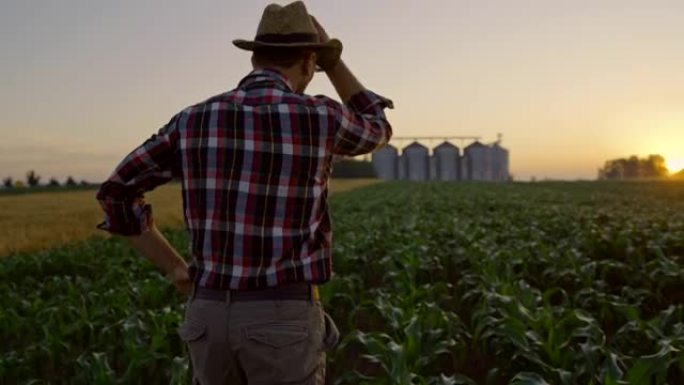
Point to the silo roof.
(476, 143)
(446, 144)
(498, 146)
(415, 145)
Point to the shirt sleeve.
(362, 125)
(151, 164)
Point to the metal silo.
(386, 162)
(416, 162)
(433, 166)
(447, 162)
(499, 163)
(402, 167)
(477, 159)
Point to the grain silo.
(433, 166)
(402, 167)
(386, 162)
(447, 162)
(416, 162)
(499, 162)
(477, 162)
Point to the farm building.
(386, 162)
(478, 162)
(447, 162)
(415, 161)
(499, 163)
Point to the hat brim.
(328, 53)
(251, 45)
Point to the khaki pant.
(257, 342)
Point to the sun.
(674, 164)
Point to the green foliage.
(436, 283)
(558, 283)
(93, 313)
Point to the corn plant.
(435, 284)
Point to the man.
(254, 164)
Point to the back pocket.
(281, 352)
(191, 330)
(277, 335)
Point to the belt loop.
(228, 296)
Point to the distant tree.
(32, 179)
(70, 181)
(19, 184)
(633, 167)
(654, 167)
(53, 182)
(612, 170)
(84, 182)
(679, 175)
(8, 182)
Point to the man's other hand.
(180, 278)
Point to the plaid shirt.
(254, 164)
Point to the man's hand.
(340, 76)
(329, 57)
(322, 35)
(180, 278)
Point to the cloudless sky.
(569, 84)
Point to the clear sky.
(569, 84)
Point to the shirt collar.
(267, 75)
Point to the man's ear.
(314, 59)
(309, 65)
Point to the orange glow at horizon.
(674, 164)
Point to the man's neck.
(288, 74)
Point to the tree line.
(33, 180)
(633, 167)
(352, 168)
(344, 168)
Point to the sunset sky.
(569, 84)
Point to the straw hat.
(290, 26)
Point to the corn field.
(436, 283)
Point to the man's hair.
(283, 57)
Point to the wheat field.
(32, 222)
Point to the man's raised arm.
(362, 125)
